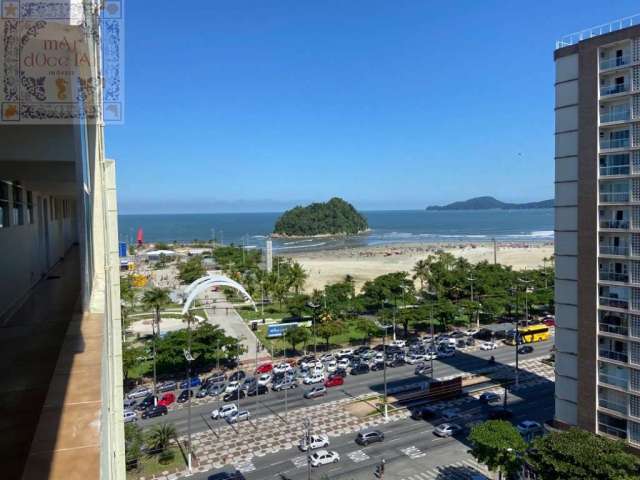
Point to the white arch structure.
(203, 283)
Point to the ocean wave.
(534, 234)
(301, 246)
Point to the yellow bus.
(531, 334)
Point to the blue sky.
(258, 105)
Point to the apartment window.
(634, 377)
(613, 375)
(30, 218)
(17, 212)
(634, 406)
(4, 204)
(613, 426)
(612, 400)
(634, 432)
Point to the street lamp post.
(472, 279)
(384, 369)
(189, 358)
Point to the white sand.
(366, 263)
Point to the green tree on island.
(580, 455)
(160, 436)
(296, 335)
(335, 217)
(498, 445)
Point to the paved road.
(410, 449)
(282, 402)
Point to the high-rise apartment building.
(597, 232)
(60, 351)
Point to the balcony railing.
(614, 277)
(614, 302)
(617, 115)
(613, 380)
(622, 250)
(613, 431)
(613, 89)
(613, 62)
(615, 329)
(618, 224)
(606, 171)
(612, 405)
(614, 197)
(609, 143)
(618, 356)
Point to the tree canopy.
(191, 270)
(498, 445)
(335, 217)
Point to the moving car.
(314, 378)
(525, 349)
(489, 346)
(527, 427)
(283, 385)
(184, 396)
(333, 382)
(366, 437)
(447, 429)
(422, 369)
(155, 411)
(130, 416)
(139, 392)
(314, 392)
(167, 399)
(323, 457)
(315, 441)
(264, 368)
(236, 417)
(489, 397)
(224, 412)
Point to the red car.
(167, 399)
(549, 322)
(264, 368)
(333, 381)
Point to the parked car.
(167, 399)
(314, 392)
(130, 416)
(471, 332)
(237, 376)
(184, 396)
(344, 362)
(217, 377)
(360, 369)
(398, 343)
(248, 381)
(341, 372)
(139, 392)
(489, 397)
(525, 349)
(224, 411)
(129, 403)
(193, 381)
(323, 457)
(446, 353)
(203, 392)
(264, 379)
(457, 334)
(314, 378)
(366, 437)
(232, 386)
(489, 346)
(156, 411)
(236, 417)
(146, 402)
(360, 350)
(257, 389)
(395, 362)
(375, 366)
(168, 386)
(315, 441)
(216, 389)
(332, 366)
(282, 368)
(345, 352)
(500, 413)
(414, 358)
(333, 382)
(447, 429)
(264, 368)
(283, 385)
(230, 397)
(303, 362)
(527, 427)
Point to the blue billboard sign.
(122, 249)
(279, 329)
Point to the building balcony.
(609, 171)
(614, 329)
(613, 143)
(614, 197)
(614, 277)
(614, 302)
(615, 115)
(614, 62)
(615, 224)
(617, 356)
(613, 405)
(620, 250)
(614, 89)
(613, 380)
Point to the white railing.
(608, 143)
(606, 63)
(606, 171)
(598, 30)
(615, 115)
(614, 250)
(614, 197)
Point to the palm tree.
(297, 277)
(422, 271)
(160, 436)
(155, 298)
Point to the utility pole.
(189, 358)
(471, 279)
(433, 348)
(384, 370)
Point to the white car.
(225, 411)
(489, 346)
(414, 358)
(327, 357)
(344, 351)
(232, 387)
(315, 378)
(304, 364)
(315, 441)
(236, 417)
(130, 416)
(282, 368)
(332, 366)
(343, 363)
(447, 429)
(471, 332)
(430, 356)
(323, 457)
(398, 343)
(317, 366)
(528, 426)
(379, 357)
(264, 379)
(139, 392)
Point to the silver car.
(240, 416)
(315, 392)
(447, 429)
(139, 392)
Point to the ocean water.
(386, 227)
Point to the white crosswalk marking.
(413, 452)
(300, 461)
(358, 456)
(465, 470)
(245, 467)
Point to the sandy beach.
(365, 263)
